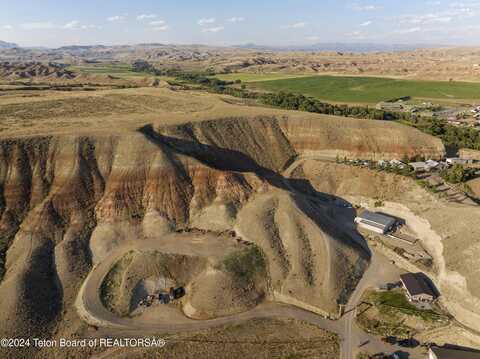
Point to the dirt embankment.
(271, 142)
(447, 230)
(469, 154)
(67, 200)
(31, 70)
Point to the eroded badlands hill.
(68, 200)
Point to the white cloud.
(298, 25)
(146, 17)
(115, 18)
(358, 35)
(425, 19)
(160, 28)
(366, 23)
(312, 38)
(72, 24)
(409, 30)
(455, 11)
(206, 21)
(90, 26)
(38, 26)
(156, 23)
(213, 29)
(236, 19)
(7, 27)
(75, 25)
(367, 7)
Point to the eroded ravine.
(68, 200)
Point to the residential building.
(435, 352)
(417, 287)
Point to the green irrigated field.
(113, 69)
(371, 89)
(107, 69)
(246, 77)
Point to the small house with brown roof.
(417, 287)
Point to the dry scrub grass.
(258, 338)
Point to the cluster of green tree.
(456, 137)
(201, 78)
(292, 101)
(144, 66)
(205, 80)
(457, 174)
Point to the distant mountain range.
(341, 47)
(7, 45)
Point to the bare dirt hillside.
(68, 200)
(434, 64)
(446, 229)
(29, 70)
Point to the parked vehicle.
(163, 298)
(409, 343)
(177, 293)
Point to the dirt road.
(381, 270)
(91, 309)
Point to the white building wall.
(371, 228)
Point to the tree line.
(456, 137)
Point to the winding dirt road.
(91, 309)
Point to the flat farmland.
(251, 77)
(104, 68)
(370, 89)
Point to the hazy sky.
(222, 22)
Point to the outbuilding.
(419, 166)
(376, 222)
(424, 166)
(459, 161)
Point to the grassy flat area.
(370, 89)
(117, 70)
(103, 69)
(246, 77)
(390, 313)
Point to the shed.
(459, 161)
(419, 166)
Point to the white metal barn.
(376, 222)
